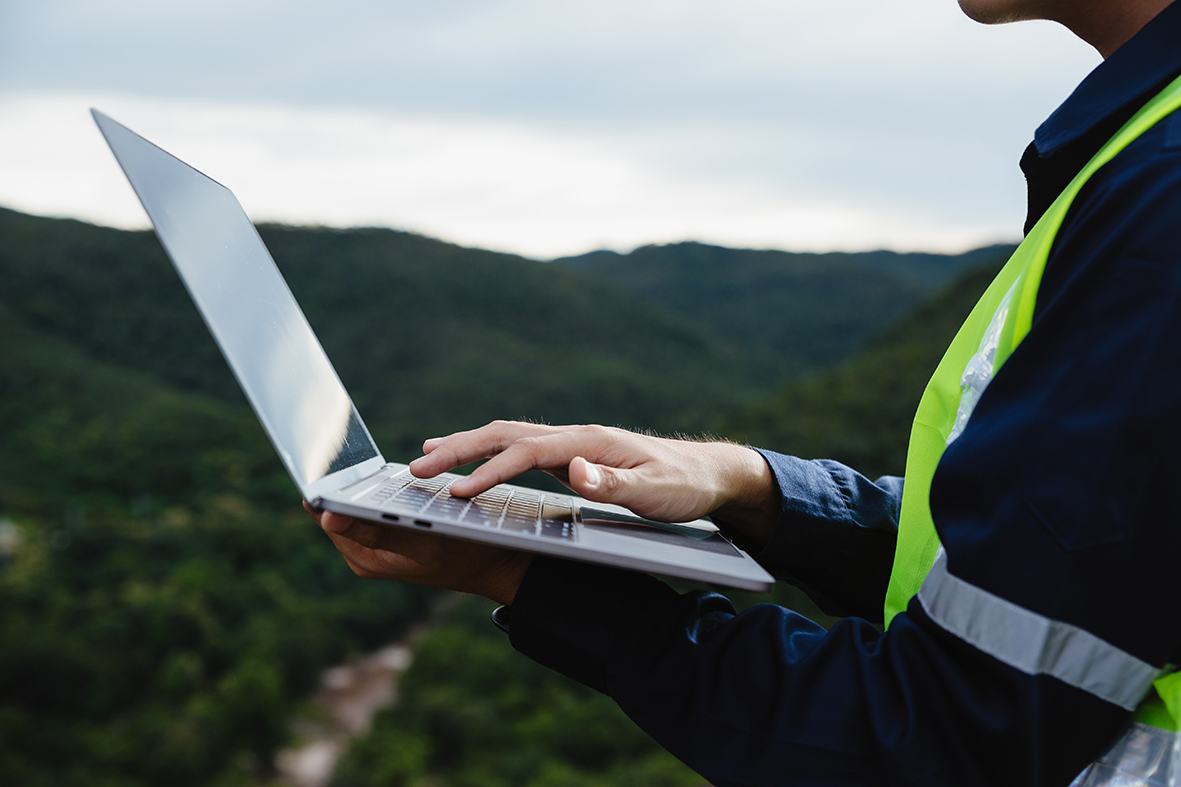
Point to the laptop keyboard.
(516, 509)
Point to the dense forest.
(796, 313)
(486, 734)
(168, 607)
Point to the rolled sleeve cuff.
(836, 534)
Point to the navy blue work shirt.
(1057, 498)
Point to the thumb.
(600, 483)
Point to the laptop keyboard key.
(517, 510)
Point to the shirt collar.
(1151, 57)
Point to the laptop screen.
(249, 310)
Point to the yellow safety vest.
(995, 327)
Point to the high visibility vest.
(993, 330)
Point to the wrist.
(502, 584)
(751, 498)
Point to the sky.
(546, 127)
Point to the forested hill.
(860, 413)
(166, 605)
(799, 312)
(430, 337)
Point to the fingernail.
(593, 476)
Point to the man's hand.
(378, 552)
(662, 479)
(658, 478)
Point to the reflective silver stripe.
(1144, 757)
(1032, 643)
(980, 369)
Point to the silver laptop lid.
(252, 315)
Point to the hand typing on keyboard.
(659, 478)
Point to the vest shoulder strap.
(940, 403)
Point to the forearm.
(769, 698)
(817, 524)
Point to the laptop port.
(391, 517)
(422, 523)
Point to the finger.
(440, 460)
(561, 474)
(383, 542)
(603, 484)
(367, 535)
(548, 452)
(432, 443)
(585, 477)
(461, 448)
(375, 563)
(332, 522)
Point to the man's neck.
(1106, 25)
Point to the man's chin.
(998, 12)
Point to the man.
(1045, 548)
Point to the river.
(349, 696)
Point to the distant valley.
(168, 607)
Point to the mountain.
(429, 337)
(71, 424)
(796, 313)
(164, 601)
(860, 413)
(165, 606)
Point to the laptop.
(318, 433)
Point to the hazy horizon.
(547, 130)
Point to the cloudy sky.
(546, 127)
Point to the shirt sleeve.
(767, 697)
(1023, 656)
(836, 534)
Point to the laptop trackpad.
(598, 520)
